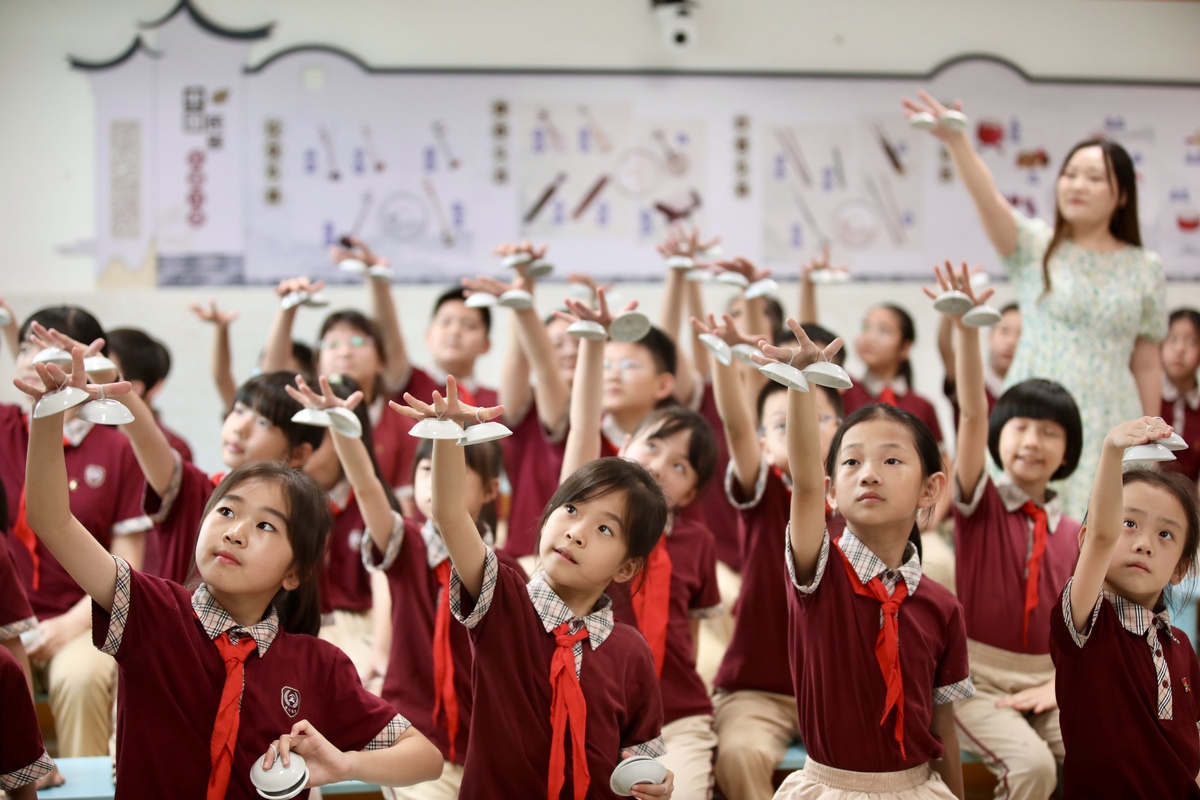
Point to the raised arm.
(970, 389)
(670, 318)
(383, 309)
(11, 331)
(583, 439)
(277, 353)
(737, 414)
(1106, 514)
(1146, 366)
(806, 529)
(47, 500)
(994, 211)
(222, 360)
(369, 491)
(450, 514)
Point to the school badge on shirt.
(290, 698)
(93, 475)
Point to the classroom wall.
(47, 190)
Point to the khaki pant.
(80, 681)
(351, 632)
(690, 745)
(819, 782)
(1021, 749)
(444, 788)
(754, 730)
(937, 563)
(717, 632)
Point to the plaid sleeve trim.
(26, 775)
(962, 690)
(760, 487)
(491, 573)
(390, 733)
(967, 506)
(138, 524)
(1079, 637)
(707, 613)
(395, 541)
(14, 629)
(167, 501)
(822, 560)
(655, 748)
(118, 618)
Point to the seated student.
(1002, 346)
(679, 582)
(145, 362)
(217, 677)
(535, 388)
(105, 496)
(1181, 393)
(1014, 549)
(23, 758)
(755, 703)
(549, 657)
(258, 427)
(300, 362)
(1124, 674)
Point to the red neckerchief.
(444, 695)
(1033, 568)
(217, 477)
(888, 396)
(225, 729)
(887, 644)
(336, 509)
(652, 603)
(567, 704)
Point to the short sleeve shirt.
(177, 516)
(23, 758)
(859, 395)
(16, 615)
(171, 679)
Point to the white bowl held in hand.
(718, 347)
(982, 317)
(786, 374)
(280, 782)
(59, 401)
(952, 301)
(312, 416)
(826, 373)
(954, 120)
(635, 770)
(1151, 452)
(629, 326)
(436, 429)
(923, 121)
(345, 422)
(483, 432)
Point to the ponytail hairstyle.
(1121, 177)
(923, 442)
(485, 459)
(309, 521)
(1184, 491)
(908, 335)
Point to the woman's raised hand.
(949, 280)
(447, 407)
(805, 353)
(928, 104)
(303, 394)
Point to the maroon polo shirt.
(105, 488)
(712, 508)
(345, 585)
(171, 678)
(23, 757)
(950, 389)
(757, 658)
(857, 396)
(177, 442)
(833, 634)
(409, 684)
(694, 595)
(509, 750)
(16, 615)
(177, 517)
(1108, 710)
(991, 548)
(533, 464)
(394, 448)
(1187, 462)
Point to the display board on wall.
(216, 171)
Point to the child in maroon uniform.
(211, 678)
(1181, 393)
(1014, 549)
(145, 362)
(891, 679)
(1125, 676)
(549, 656)
(23, 759)
(1002, 342)
(755, 703)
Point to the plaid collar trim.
(1137, 619)
(340, 493)
(1171, 394)
(874, 385)
(612, 432)
(868, 566)
(435, 546)
(216, 620)
(554, 612)
(1014, 498)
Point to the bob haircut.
(702, 443)
(309, 521)
(1038, 398)
(645, 514)
(266, 395)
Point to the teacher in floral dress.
(1092, 299)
